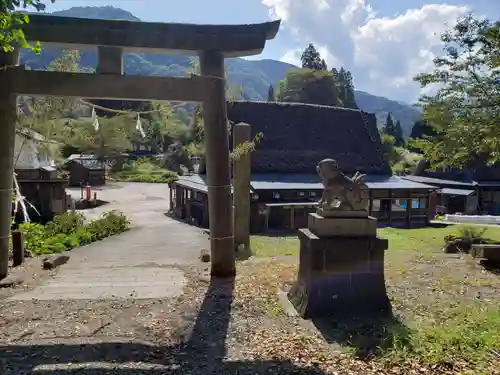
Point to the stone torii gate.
(212, 43)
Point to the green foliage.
(11, 21)
(400, 141)
(394, 130)
(465, 110)
(467, 335)
(144, 170)
(469, 232)
(309, 86)
(400, 159)
(109, 224)
(246, 147)
(389, 150)
(421, 129)
(113, 137)
(313, 84)
(65, 223)
(345, 88)
(311, 59)
(69, 230)
(270, 94)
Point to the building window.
(419, 203)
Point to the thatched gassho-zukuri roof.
(297, 136)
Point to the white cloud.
(383, 53)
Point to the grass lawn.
(447, 305)
(144, 170)
(422, 239)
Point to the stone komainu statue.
(341, 193)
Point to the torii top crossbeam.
(134, 36)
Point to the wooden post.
(370, 204)
(8, 116)
(409, 203)
(171, 204)
(109, 61)
(390, 207)
(217, 164)
(17, 248)
(241, 187)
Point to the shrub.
(66, 223)
(34, 235)
(464, 238)
(69, 230)
(144, 170)
(164, 177)
(469, 233)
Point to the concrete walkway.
(141, 263)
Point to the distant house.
(37, 175)
(84, 168)
(284, 184)
(471, 190)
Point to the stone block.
(339, 275)
(54, 261)
(342, 226)
(342, 213)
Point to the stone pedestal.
(342, 226)
(341, 268)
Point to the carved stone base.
(341, 213)
(342, 226)
(339, 275)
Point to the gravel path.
(196, 333)
(141, 263)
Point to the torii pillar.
(218, 170)
(8, 115)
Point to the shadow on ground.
(202, 353)
(368, 335)
(490, 266)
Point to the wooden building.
(37, 177)
(85, 169)
(472, 190)
(284, 183)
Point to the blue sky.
(383, 42)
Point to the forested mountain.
(253, 76)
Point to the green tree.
(309, 86)
(12, 20)
(389, 150)
(345, 87)
(270, 94)
(281, 89)
(311, 59)
(399, 139)
(113, 137)
(465, 111)
(389, 127)
(421, 129)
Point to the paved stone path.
(141, 263)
